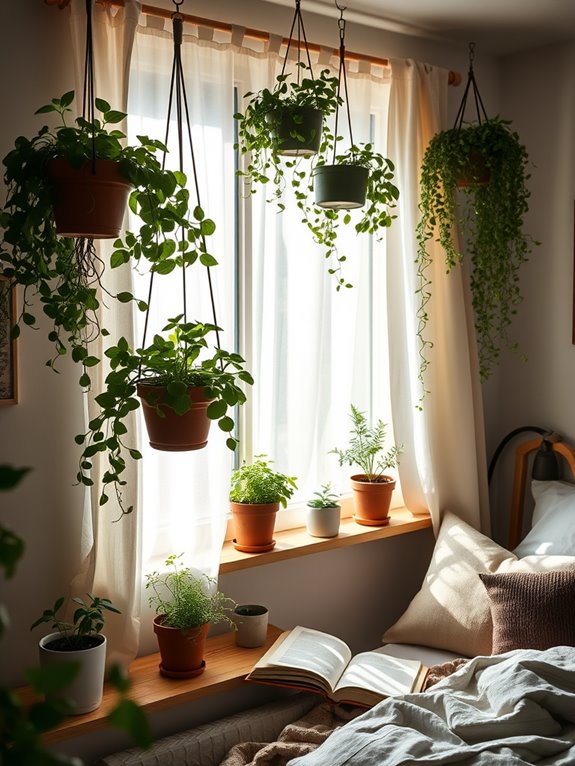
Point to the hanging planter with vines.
(360, 177)
(54, 259)
(182, 379)
(288, 120)
(473, 186)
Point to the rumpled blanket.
(306, 734)
(296, 738)
(513, 709)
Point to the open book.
(317, 662)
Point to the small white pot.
(85, 692)
(323, 522)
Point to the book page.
(312, 650)
(381, 673)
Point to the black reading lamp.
(546, 461)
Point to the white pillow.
(452, 610)
(553, 527)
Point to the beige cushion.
(452, 611)
(531, 610)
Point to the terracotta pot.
(182, 650)
(254, 526)
(340, 187)
(372, 500)
(84, 693)
(173, 432)
(476, 172)
(88, 204)
(297, 131)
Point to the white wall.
(374, 581)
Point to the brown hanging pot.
(476, 172)
(372, 500)
(89, 201)
(168, 431)
(254, 526)
(181, 650)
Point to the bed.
(498, 628)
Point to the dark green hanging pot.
(297, 130)
(340, 187)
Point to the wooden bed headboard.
(521, 477)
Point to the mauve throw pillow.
(531, 610)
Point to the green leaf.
(131, 719)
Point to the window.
(312, 350)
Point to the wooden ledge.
(292, 543)
(227, 665)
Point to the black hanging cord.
(505, 441)
(298, 19)
(88, 108)
(471, 85)
(342, 77)
(178, 94)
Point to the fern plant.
(366, 448)
(257, 483)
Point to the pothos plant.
(64, 273)
(473, 186)
(381, 196)
(183, 359)
(258, 124)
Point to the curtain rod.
(454, 78)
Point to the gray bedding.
(516, 708)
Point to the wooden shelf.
(226, 667)
(292, 543)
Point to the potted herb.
(323, 513)
(372, 488)
(286, 120)
(360, 177)
(473, 182)
(183, 384)
(80, 642)
(185, 605)
(256, 493)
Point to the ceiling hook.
(340, 8)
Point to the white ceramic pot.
(85, 692)
(323, 522)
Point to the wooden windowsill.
(226, 664)
(292, 543)
(226, 668)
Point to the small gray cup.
(252, 625)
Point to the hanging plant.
(62, 272)
(473, 185)
(171, 374)
(286, 121)
(360, 177)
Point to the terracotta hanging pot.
(181, 650)
(476, 171)
(297, 130)
(340, 187)
(372, 500)
(254, 526)
(169, 431)
(87, 203)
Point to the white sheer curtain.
(444, 461)
(111, 550)
(315, 350)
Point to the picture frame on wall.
(8, 345)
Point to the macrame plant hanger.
(301, 35)
(342, 77)
(179, 97)
(471, 86)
